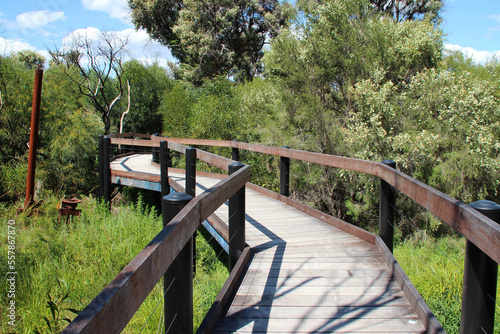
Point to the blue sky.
(472, 26)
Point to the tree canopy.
(213, 38)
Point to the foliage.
(147, 85)
(212, 38)
(341, 44)
(208, 112)
(30, 59)
(16, 84)
(441, 128)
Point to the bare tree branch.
(98, 63)
(128, 108)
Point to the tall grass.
(68, 265)
(435, 267)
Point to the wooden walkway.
(305, 276)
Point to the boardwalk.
(305, 276)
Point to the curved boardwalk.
(305, 276)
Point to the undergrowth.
(62, 267)
(435, 267)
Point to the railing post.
(104, 169)
(386, 210)
(235, 153)
(178, 279)
(191, 171)
(480, 281)
(155, 152)
(165, 162)
(285, 175)
(191, 186)
(236, 220)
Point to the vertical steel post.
(191, 171)
(178, 279)
(236, 220)
(235, 153)
(35, 118)
(191, 186)
(480, 281)
(285, 175)
(101, 166)
(106, 170)
(165, 162)
(154, 151)
(386, 210)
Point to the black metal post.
(480, 281)
(155, 151)
(101, 166)
(104, 169)
(178, 279)
(235, 153)
(236, 220)
(165, 162)
(285, 175)
(191, 186)
(191, 171)
(386, 210)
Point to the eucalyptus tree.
(213, 38)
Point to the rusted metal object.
(68, 208)
(35, 117)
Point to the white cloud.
(117, 9)
(480, 57)
(8, 46)
(495, 17)
(89, 33)
(37, 19)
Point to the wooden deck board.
(305, 276)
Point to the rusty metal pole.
(35, 117)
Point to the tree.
(213, 38)
(402, 10)
(147, 86)
(99, 64)
(340, 44)
(399, 10)
(30, 59)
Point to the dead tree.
(99, 64)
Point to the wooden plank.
(318, 280)
(331, 312)
(324, 300)
(329, 325)
(307, 291)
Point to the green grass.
(66, 266)
(437, 273)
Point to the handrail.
(123, 296)
(474, 226)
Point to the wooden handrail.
(474, 226)
(123, 296)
